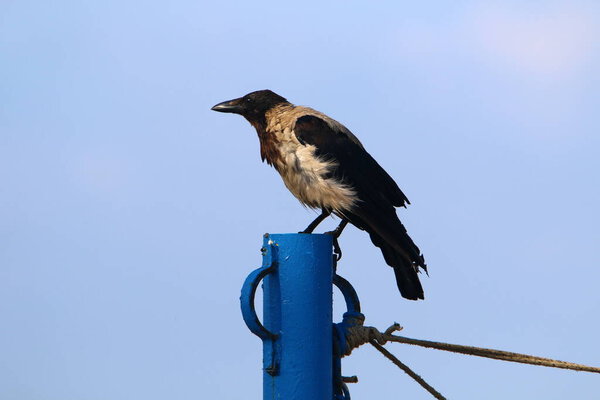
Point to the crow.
(326, 167)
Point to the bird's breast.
(308, 176)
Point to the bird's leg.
(336, 234)
(338, 231)
(310, 228)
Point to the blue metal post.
(297, 358)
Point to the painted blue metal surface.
(297, 329)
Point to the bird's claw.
(336, 234)
(337, 250)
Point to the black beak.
(231, 106)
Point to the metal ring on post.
(247, 303)
(341, 391)
(350, 295)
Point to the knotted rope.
(357, 334)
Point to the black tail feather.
(408, 283)
(407, 278)
(398, 249)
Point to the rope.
(491, 353)
(358, 335)
(406, 369)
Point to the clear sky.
(130, 213)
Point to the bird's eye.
(248, 100)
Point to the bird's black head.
(252, 106)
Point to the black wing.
(356, 166)
(378, 195)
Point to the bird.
(327, 168)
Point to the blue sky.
(130, 213)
